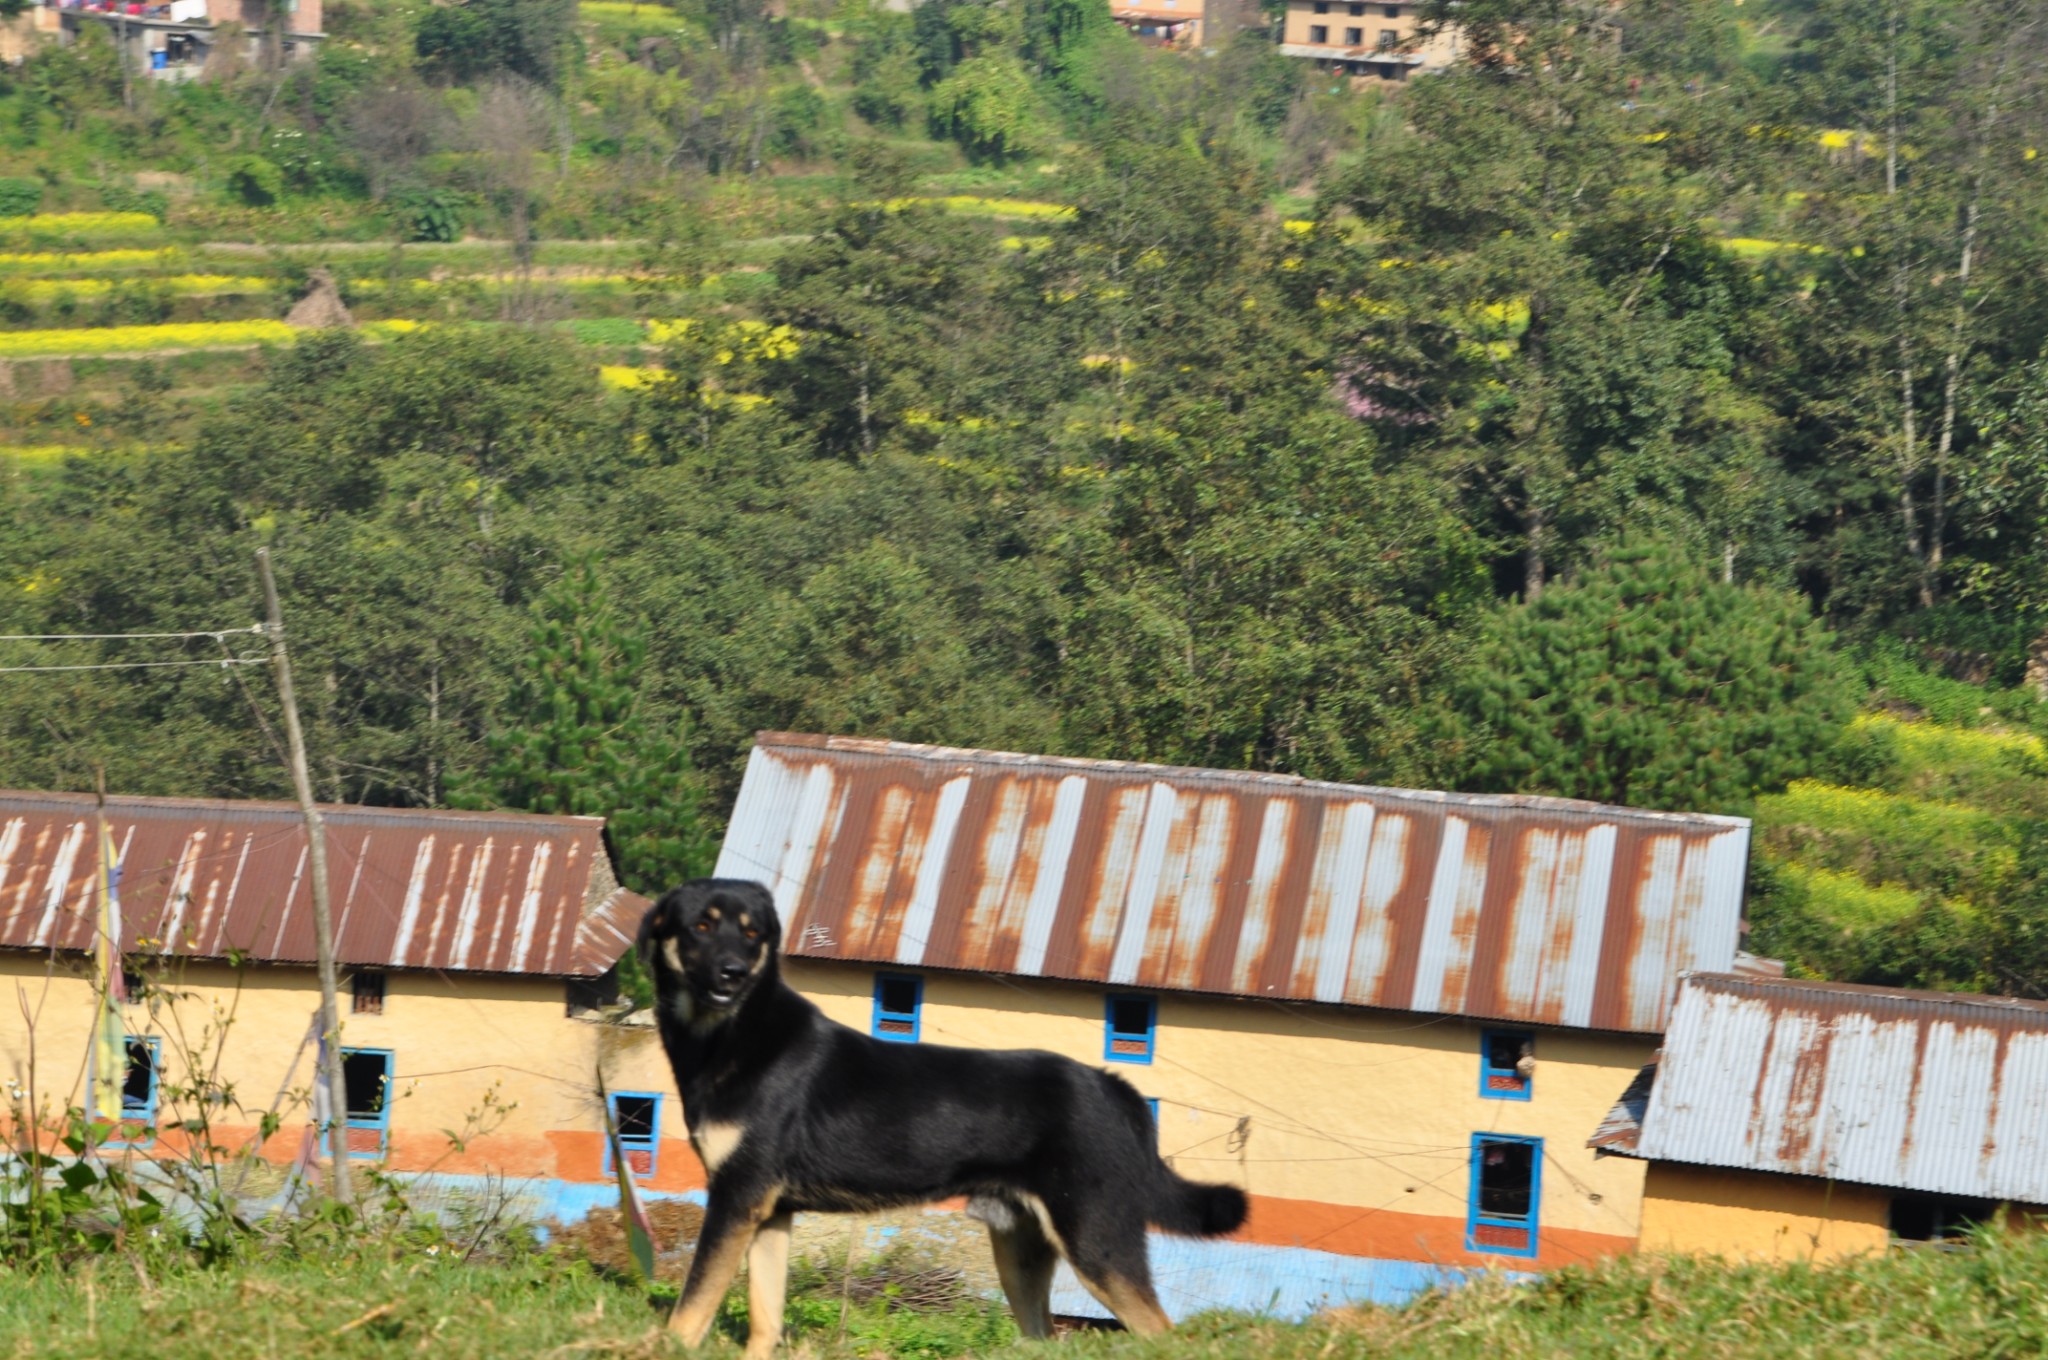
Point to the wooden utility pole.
(323, 917)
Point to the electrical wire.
(221, 661)
(216, 633)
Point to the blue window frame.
(139, 1084)
(1501, 1052)
(1128, 1024)
(899, 998)
(1507, 1194)
(1152, 1104)
(366, 1078)
(636, 1116)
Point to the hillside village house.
(1368, 42)
(469, 943)
(1392, 1017)
(172, 39)
(1812, 1119)
(1190, 24)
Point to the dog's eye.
(703, 927)
(753, 934)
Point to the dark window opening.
(1353, 37)
(1918, 1220)
(365, 1077)
(132, 984)
(636, 1119)
(1507, 1064)
(1322, 6)
(1357, 9)
(1318, 33)
(1393, 11)
(897, 1000)
(1389, 40)
(590, 994)
(138, 1084)
(1507, 1180)
(633, 1116)
(367, 993)
(1130, 1022)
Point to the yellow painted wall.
(1358, 1124)
(1760, 1215)
(465, 1046)
(1350, 1129)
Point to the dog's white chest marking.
(716, 1142)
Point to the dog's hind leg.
(767, 1286)
(1108, 1252)
(722, 1242)
(1024, 1263)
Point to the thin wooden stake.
(323, 920)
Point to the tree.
(1650, 683)
(579, 741)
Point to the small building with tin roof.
(1389, 1015)
(474, 949)
(1792, 1119)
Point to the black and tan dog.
(793, 1113)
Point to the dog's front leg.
(767, 1286)
(730, 1223)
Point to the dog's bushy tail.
(1196, 1208)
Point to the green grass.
(1987, 1301)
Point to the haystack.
(321, 307)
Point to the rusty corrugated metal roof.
(1940, 1092)
(1540, 910)
(498, 892)
(1623, 1125)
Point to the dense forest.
(1651, 408)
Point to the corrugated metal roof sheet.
(1539, 910)
(1932, 1091)
(498, 892)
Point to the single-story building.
(1390, 1016)
(1789, 1119)
(473, 948)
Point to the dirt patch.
(601, 1239)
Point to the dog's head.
(707, 945)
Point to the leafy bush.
(429, 214)
(120, 198)
(987, 105)
(20, 197)
(255, 181)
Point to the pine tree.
(1652, 683)
(579, 740)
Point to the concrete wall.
(1357, 1125)
(1760, 1215)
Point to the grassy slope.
(1987, 1302)
(1921, 808)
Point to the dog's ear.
(660, 920)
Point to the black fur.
(1053, 1156)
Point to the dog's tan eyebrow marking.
(745, 919)
(713, 914)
